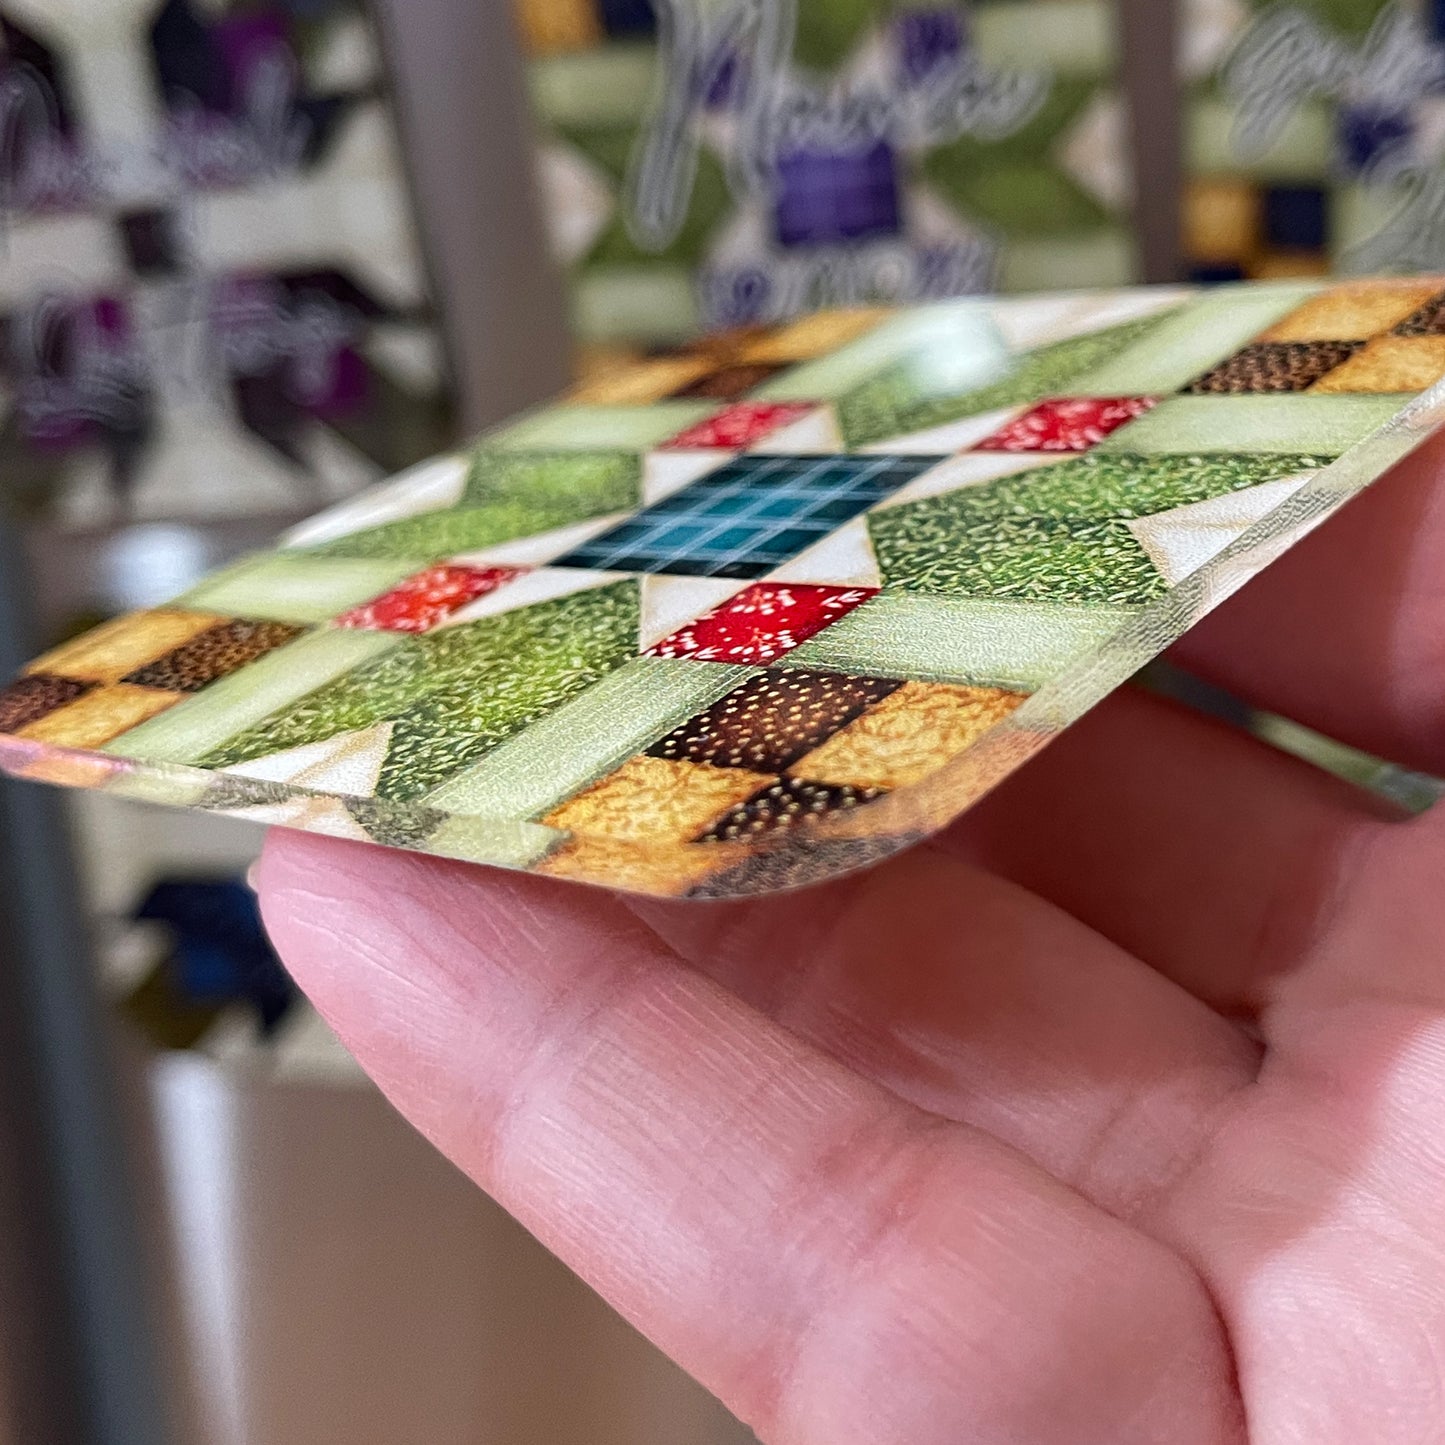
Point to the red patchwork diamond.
(419, 603)
(1067, 424)
(739, 425)
(762, 622)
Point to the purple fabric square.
(246, 41)
(829, 196)
(928, 40)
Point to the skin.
(1116, 1113)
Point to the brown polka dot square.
(772, 719)
(214, 654)
(1429, 320)
(28, 699)
(1274, 366)
(729, 383)
(788, 803)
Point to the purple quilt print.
(827, 196)
(929, 41)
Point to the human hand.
(1115, 1114)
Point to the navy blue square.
(748, 516)
(1295, 216)
(1435, 18)
(824, 197)
(1216, 273)
(627, 17)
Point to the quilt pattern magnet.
(763, 611)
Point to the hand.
(1116, 1114)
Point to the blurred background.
(258, 254)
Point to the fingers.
(1346, 632)
(1315, 1212)
(837, 1265)
(979, 1002)
(1216, 859)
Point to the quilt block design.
(730, 164)
(1313, 137)
(185, 330)
(603, 647)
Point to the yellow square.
(110, 651)
(640, 382)
(667, 871)
(655, 798)
(100, 716)
(67, 770)
(1221, 220)
(551, 26)
(1389, 364)
(1288, 265)
(814, 336)
(910, 734)
(1353, 313)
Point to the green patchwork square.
(1189, 341)
(608, 86)
(621, 303)
(825, 35)
(906, 397)
(708, 203)
(600, 428)
(455, 694)
(576, 485)
(1299, 155)
(500, 844)
(295, 587)
(563, 753)
(1064, 37)
(1056, 534)
(193, 729)
(945, 348)
(1101, 484)
(1326, 424)
(508, 495)
(1104, 257)
(984, 642)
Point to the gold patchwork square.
(1287, 265)
(815, 335)
(1353, 313)
(551, 26)
(650, 799)
(640, 382)
(111, 651)
(616, 864)
(1389, 364)
(100, 716)
(1221, 220)
(909, 735)
(42, 764)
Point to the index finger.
(839, 1266)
